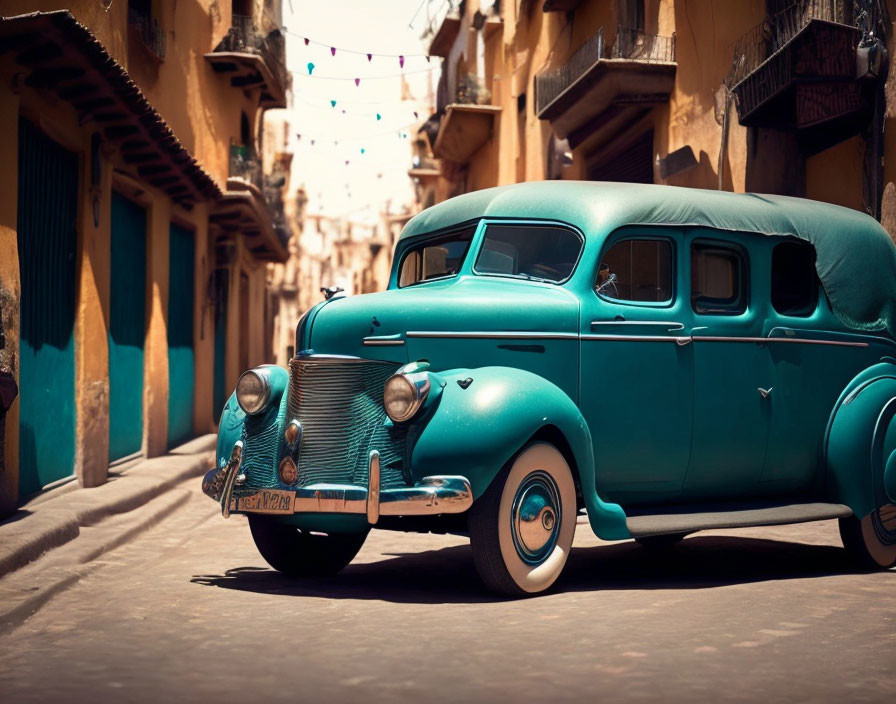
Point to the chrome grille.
(339, 402)
(262, 446)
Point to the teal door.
(221, 290)
(180, 336)
(637, 372)
(127, 323)
(47, 210)
(732, 373)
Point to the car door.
(636, 376)
(733, 374)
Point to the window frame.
(527, 223)
(673, 261)
(743, 299)
(434, 238)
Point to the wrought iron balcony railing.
(771, 36)
(244, 37)
(149, 31)
(245, 164)
(630, 44)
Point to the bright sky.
(378, 150)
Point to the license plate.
(267, 501)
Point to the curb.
(31, 532)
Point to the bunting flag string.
(369, 54)
(378, 115)
(357, 79)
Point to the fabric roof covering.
(856, 259)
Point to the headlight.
(404, 394)
(253, 391)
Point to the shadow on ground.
(448, 575)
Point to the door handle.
(682, 341)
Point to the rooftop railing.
(767, 38)
(245, 164)
(630, 44)
(244, 37)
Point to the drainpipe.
(723, 148)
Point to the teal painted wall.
(47, 241)
(127, 323)
(181, 372)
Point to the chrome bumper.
(431, 496)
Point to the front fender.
(233, 418)
(861, 441)
(475, 430)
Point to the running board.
(660, 524)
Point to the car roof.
(856, 259)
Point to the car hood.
(470, 304)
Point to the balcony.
(602, 88)
(468, 123)
(252, 59)
(798, 69)
(253, 205)
(143, 28)
(445, 35)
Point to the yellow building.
(780, 96)
(134, 227)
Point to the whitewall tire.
(522, 527)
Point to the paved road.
(190, 612)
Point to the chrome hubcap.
(536, 517)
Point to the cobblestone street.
(190, 612)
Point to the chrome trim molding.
(655, 323)
(431, 496)
(639, 338)
(373, 488)
(230, 472)
(500, 335)
(374, 342)
(684, 340)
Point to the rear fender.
(860, 444)
(474, 431)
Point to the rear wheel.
(872, 540)
(522, 527)
(298, 553)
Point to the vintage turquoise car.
(663, 360)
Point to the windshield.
(435, 258)
(537, 252)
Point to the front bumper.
(431, 496)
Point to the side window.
(718, 279)
(435, 258)
(636, 270)
(794, 281)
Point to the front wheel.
(521, 528)
(298, 553)
(872, 540)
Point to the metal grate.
(630, 44)
(262, 448)
(339, 402)
(769, 37)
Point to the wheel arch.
(860, 440)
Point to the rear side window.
(718, 279)
(636, 270)
(794, 281)
(435, 258)
(539, 252)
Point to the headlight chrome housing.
(405, 391)
(253, 390)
